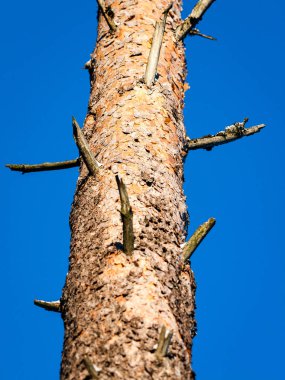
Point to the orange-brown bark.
(114, 305)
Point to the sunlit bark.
(115, 305)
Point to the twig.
(164, 341)
(192, 20)
(108, 14)
(90, 368)
(127, 218)
(88, 157)
(44, 166)
(49, 306)
(231, 133)
(154, 53)
(196, 32)
(197, 238)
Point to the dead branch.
(88, 65)
(25, 168)
(231, 133)
(90, 368)
(49, 306)
(164, 341)
(197, 238)
(88, 157)
(127, 217)
(108, 14)
(154, 53)
(193, 19)
(196, 32)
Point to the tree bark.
(114, 305)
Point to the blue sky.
(239, 268)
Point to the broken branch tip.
(48, 305)
(197, 238)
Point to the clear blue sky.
(239, 268)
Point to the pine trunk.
(116, 302)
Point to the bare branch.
(49, 306)
(164, 341)
(24, 168)
(191, 21)
(196, 32)
(108, 14)
(154, 53)
(127, 218)
(88, 157)
(161, 339)
(90, 368)
(88, 65)
(231, 133)
(197, 238)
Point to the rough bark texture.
(113, 305)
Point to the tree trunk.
(116, 304)
(129, 298)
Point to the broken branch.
(44, 166)
(196, 32)
(197, 238)
(127, 218)
(164, 341)
(90, 368)
(192, 20)
(108, 14)
(88, 157)
(49, 306)
(231, 133)
(154, 53)
(88, 65)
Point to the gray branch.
(196, 32)
(164, 341)
(197, 238)
(127, 218)
(108, 14)
(90, 368)
(193, 19)
(25, 168)
(49, 306)
(88, 157)
(154, 53)
(231, 133)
